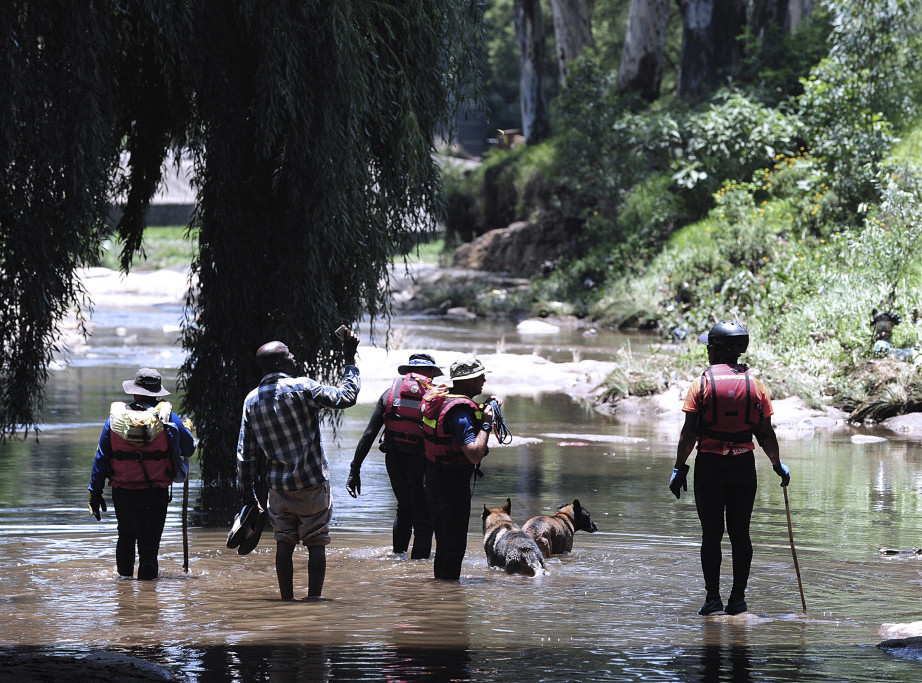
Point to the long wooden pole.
(185, 520)
(787, 509)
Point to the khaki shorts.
(302, 515)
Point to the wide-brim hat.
(466, 368)
(246, 529)
(420, 361)
(146, 382)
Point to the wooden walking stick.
(787, 509)
(185, 521)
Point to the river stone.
(866, 438)
(536, 327)
(910, 423)
(519, 249)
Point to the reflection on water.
(621, 606)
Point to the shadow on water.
(621, 606)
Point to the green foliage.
(312, 127)
(56, 165)
(776, 63)
(867, 84)
(163, 247)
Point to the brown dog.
(507, 546)
(554, 533)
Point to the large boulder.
(520, 249)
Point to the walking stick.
(185, 521)
(787, 509)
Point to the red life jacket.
(140, 448)
(728, 410)
(402, 412)
(441, 445)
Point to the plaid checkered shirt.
(281, 423)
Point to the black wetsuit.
(725, 487)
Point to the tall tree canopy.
(312, 126)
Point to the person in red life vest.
(398, 411)
(143, 449)
(455, 431)
(724, 409)
(280, 430)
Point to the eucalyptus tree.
(572, 31)
(711, 44)
(530, 35)
(312, 127)
(641, 66)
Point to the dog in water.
(554, 533)
(507, 546)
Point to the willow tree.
(312, 126)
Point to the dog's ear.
(507, 506)
(576, 505)
(486, 512)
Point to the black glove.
(96, 503)
(782, 471)
(354, 482)
(678, 480)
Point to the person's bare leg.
(284, 569)
(316, 570)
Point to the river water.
(620, 607)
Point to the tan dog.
(554, 533)
(507, 546)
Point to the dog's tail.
(528, 564)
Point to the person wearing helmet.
(398, 411)
(724, 409)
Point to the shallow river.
(621, 606)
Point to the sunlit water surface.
(621, 606)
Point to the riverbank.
(510, 374)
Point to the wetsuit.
(725, 473)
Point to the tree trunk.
(641, 68)
(572, 31)
(529, 32)
(710, 45)
(798, 10)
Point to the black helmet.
(733, 336)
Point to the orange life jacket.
(402, 412)
(140, 448)
(441, 446)
(728, 410)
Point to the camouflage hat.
(467, 368)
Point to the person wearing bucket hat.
(280, 431)
(724, 410)
(143, 449)
(397, 410)
(456, 431)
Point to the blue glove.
(678, 480)
(782, 471)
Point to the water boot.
(711, 607)
(736, 605)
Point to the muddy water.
(621, 606)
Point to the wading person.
(398, 411)
(455, 431)
(141, 450)
(281, 426)
(724, 409)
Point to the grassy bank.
(163, 247)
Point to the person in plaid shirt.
(281, 424)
